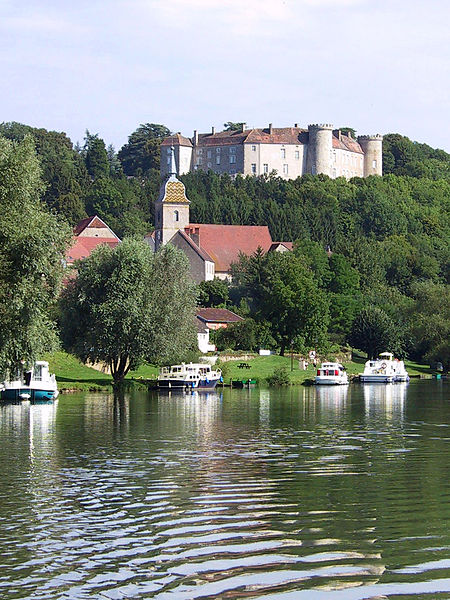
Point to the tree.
(95, 156)
(234, 125)
(142, 152)
(373, 331)
(214, 293)
(128, 306)
(32, 247)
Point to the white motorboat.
(384, 369)
(331, 373)
(36, 383)
(196, 376)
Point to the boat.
(331, 373)
(384, 369)
(36, 383)
(195, 376)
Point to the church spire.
(173, 166)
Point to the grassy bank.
(71, 374)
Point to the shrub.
(280, 377)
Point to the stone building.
(210, 248)
(288, 151)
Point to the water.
(317, 494)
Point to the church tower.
(171, 208)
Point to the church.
(210, 248)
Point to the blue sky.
(379, 66)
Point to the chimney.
(195, 137)
(213, 130)
(270, 129)
(296, 125)
(243, 127)
(195, 235)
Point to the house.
(87, 235)
(287, 151)
(203, 338)
(210, 248)
(217, 318)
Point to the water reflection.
(308, 493)
(385, 397)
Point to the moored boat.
(196, 376)
(36, 383)
(331, 373)
(384, 369)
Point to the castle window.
(374, 164)
(232, 159)
(265, 168)
(232, 149)
(176, 215)
(218, 159)
(253, 148)
(334, 173)
(283, 153)
(218, 150)
(285, 169)
(297, 154)
(253, 169)
(208, 154)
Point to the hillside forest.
(371, 256)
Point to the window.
(176, 215)
(253, 148)
(168, 160)
(374, 164)
(169, 151)
(285, 169)
(265, 168)
(297, 154)
(232, 159)
(283, 153)
(253, 169)
(208, 154)
(200, 151)
(209, 164)
(334, 173)
(232, 149)
(218, 159)
(217, 150)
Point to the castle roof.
(224, 243)
(176, 140)
(345, 142)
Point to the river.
(295, 494)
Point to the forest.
(368, 253)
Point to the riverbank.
(73, 376)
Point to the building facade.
(289, 152)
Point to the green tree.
(214, 293)
(233, 125)
(128, 306)
(32, 247)
(95, 156)
(373, 331)
(142, 152)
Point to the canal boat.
(331, 373)
(198, 376)
(384, 369)
(34, 384)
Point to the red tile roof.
(176, 140)
(346, 143)
(83, 247)
(223, 243)
(217, 315)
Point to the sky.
(379, 66)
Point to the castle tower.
(171, 208)
(372, 146)
(320, 146)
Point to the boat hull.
(376, 378)
(14, 394)
(180, 384)
(324, 380)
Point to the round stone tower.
(372, 146)
(320, 146)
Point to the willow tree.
(128, 306)
(32, 246)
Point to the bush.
(280, 377)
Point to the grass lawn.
(71, 374)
